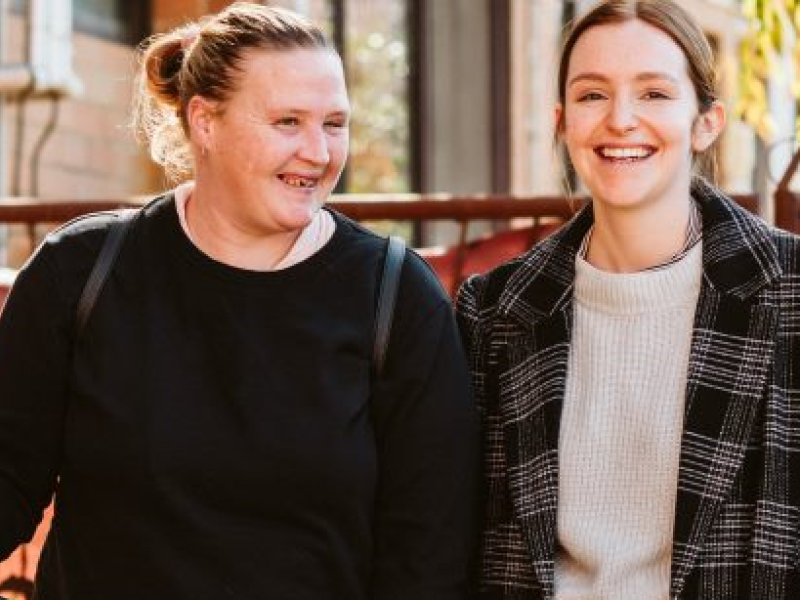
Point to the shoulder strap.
(387, 295)
(117, 231)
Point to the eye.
(590, 97)
(335, 124)
(288, 122)
(656, 95)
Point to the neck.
(626, 241)
(235, 243)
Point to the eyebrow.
(645, 76)
(343, 112)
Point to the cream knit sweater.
(620, 434)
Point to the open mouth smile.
(628, 154)
(299, 181)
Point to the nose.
(314, 146)
(622, 116)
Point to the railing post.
(461, 256)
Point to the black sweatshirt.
(216, 433)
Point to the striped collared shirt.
(694, 233)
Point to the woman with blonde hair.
(218, 426)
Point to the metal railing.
(32, 212)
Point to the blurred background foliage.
(768, 50)
(378, 71)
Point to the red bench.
(453, 264)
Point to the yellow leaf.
(768, 127)
(752, 114)
(765, 43)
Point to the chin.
(299, 219)
(628, 194)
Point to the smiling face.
(630, 118)
(273, 152)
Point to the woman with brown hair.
(638, 372)
(218, 428)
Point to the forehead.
(298, 79)
(625, 49)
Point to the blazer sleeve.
(35, 354)
(426, 425)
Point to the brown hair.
(674, 21)
(204, 59)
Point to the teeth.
(624, 152)
(301, 182)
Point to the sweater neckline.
(672, 286)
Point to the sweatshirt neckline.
(670, 287)
(200, 260)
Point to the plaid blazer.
(737, 521)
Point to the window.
(117, 20)
(377, 60)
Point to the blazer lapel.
(534, 350)
(732, 346)
(531, 397)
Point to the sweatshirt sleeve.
(35, 352)
(427, 433)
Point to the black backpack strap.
(387, 296)
(117, 231)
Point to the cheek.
(338, 146)
(266, 150)
(675, 125)
(576, 143)
(244, 144)
(577, 126)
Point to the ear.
(200, 113)
(558, 119)
(708, 126)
